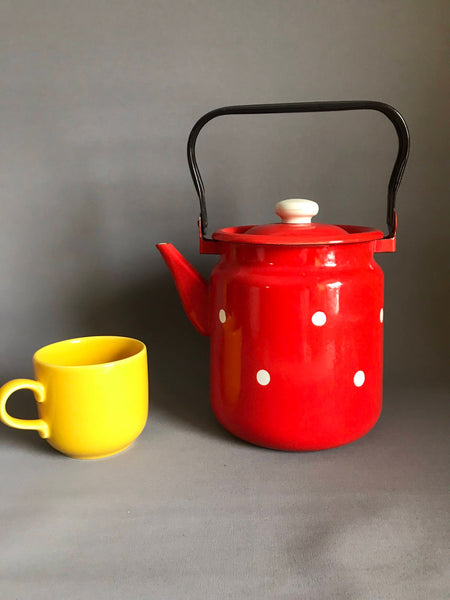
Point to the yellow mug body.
(91, 393)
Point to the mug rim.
(142, 350)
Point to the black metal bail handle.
(299, 107)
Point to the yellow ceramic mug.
(92, 395)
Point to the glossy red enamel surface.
(296, 343)
(296, 338)
(297, 234)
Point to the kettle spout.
(192, 287)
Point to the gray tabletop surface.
(190, 512)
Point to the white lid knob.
(296, 210)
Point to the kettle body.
(297, 344)
(294, 311)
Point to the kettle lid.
(296, 229)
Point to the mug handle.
(18, 384)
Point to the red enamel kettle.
(294, 311)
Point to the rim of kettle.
(354, 234)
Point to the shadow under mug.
(91, 394)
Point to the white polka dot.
(381, 315)
(222, 315)
(319, 318)
(359, 378)
(263, 377)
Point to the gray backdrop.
(97, 100)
